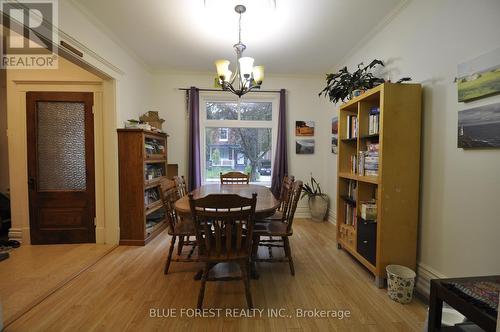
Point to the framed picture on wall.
(479, 127)
(304, 128)
(479, 77)
(304, 146)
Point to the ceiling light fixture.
(247, 77)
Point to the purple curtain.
(280, 168)
(194, 162)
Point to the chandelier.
(246, 77)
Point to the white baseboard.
(424, 276)
(332, 217)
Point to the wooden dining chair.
(177, 227)
(223, 226)
(234, 178)
(284, 198)
(181, 186)
(278, 228)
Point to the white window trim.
(226, 97)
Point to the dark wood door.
(61, 167)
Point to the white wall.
(460, 216)
(303, 103)
(133, 78)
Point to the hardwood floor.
(33, 272)
(119, 291)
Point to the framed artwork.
(304, 128)
(335, 134)
(480, 77)
(479, 127)
(304, 146)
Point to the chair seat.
(277, 216)
(272, 228)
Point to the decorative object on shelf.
(136, 124)
(304, 128)
(335, 134)
(480, 77)
(342, 85)
(317, 200)
(247, 77)
(304, 146)
(153, 119)
(479, 127)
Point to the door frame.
(32, 133)
(106, 165)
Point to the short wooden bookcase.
(392, 237)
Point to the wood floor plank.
(118, 292)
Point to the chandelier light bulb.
(246, 67)
(258, 74)
(222, 67)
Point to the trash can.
(400, 283)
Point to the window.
(238, 136)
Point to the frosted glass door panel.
(61, 146)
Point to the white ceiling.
(295, 37)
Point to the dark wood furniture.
(234, 178)
(278, 228)
(61, 167)
(223, 226)
(181, 186)
(142, 158)
(441, 292)
(286, 189)
(266, 202)
(172, 170)
(178, 228)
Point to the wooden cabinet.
(142, 157)
(388, 176)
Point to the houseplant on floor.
(317, 200)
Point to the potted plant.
(341, 85)
(317, 200)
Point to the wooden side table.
(440, 291)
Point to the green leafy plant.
(311, 189)
(340, 85)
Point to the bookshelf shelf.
(379, 163)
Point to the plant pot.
(318, 205)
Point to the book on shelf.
(373, 123)
(354, 164)
(350, 215)
(352, 190)
(368, 161)
(352, 126)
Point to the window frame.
(206, 97)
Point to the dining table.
(266, 202)
(265, 206)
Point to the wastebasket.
(400, 283)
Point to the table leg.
(435, 309)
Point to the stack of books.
(352, 126)
(367, 161)
(373, 124)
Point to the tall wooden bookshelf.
(391, 238)
(142, 157)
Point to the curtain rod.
(218, 90)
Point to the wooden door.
(61, 167)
